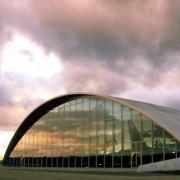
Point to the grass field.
(39, 174)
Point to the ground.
(48, 174)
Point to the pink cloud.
(124, 48)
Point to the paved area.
(55, 174)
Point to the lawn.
(40, 174)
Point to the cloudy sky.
(125, 48)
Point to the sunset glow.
(23, 56)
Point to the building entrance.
(136, 155)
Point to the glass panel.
(117, 135)
(79, 147)
(108, 133)
(47, 139)
(170, 146)
(66, 135)
(100, 132)
(126, 139)
(85, 132)
(72, 127)
(61, 137)
(54, 137)
(136, 138)
(93, 136)
(147, 146)
(158, 142)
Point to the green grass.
(39, 174)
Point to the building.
(89, 130)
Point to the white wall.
(167, 165)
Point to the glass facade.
(93, 132)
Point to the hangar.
(82, 130)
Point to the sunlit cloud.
(23, 56)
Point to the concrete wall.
(167, 165)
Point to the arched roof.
(167, 118)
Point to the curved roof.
(167, 118)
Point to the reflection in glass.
(158, 142)
(93, 132)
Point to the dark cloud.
(103, 30)
(107, 31)
(116, 32)
(105, 46)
